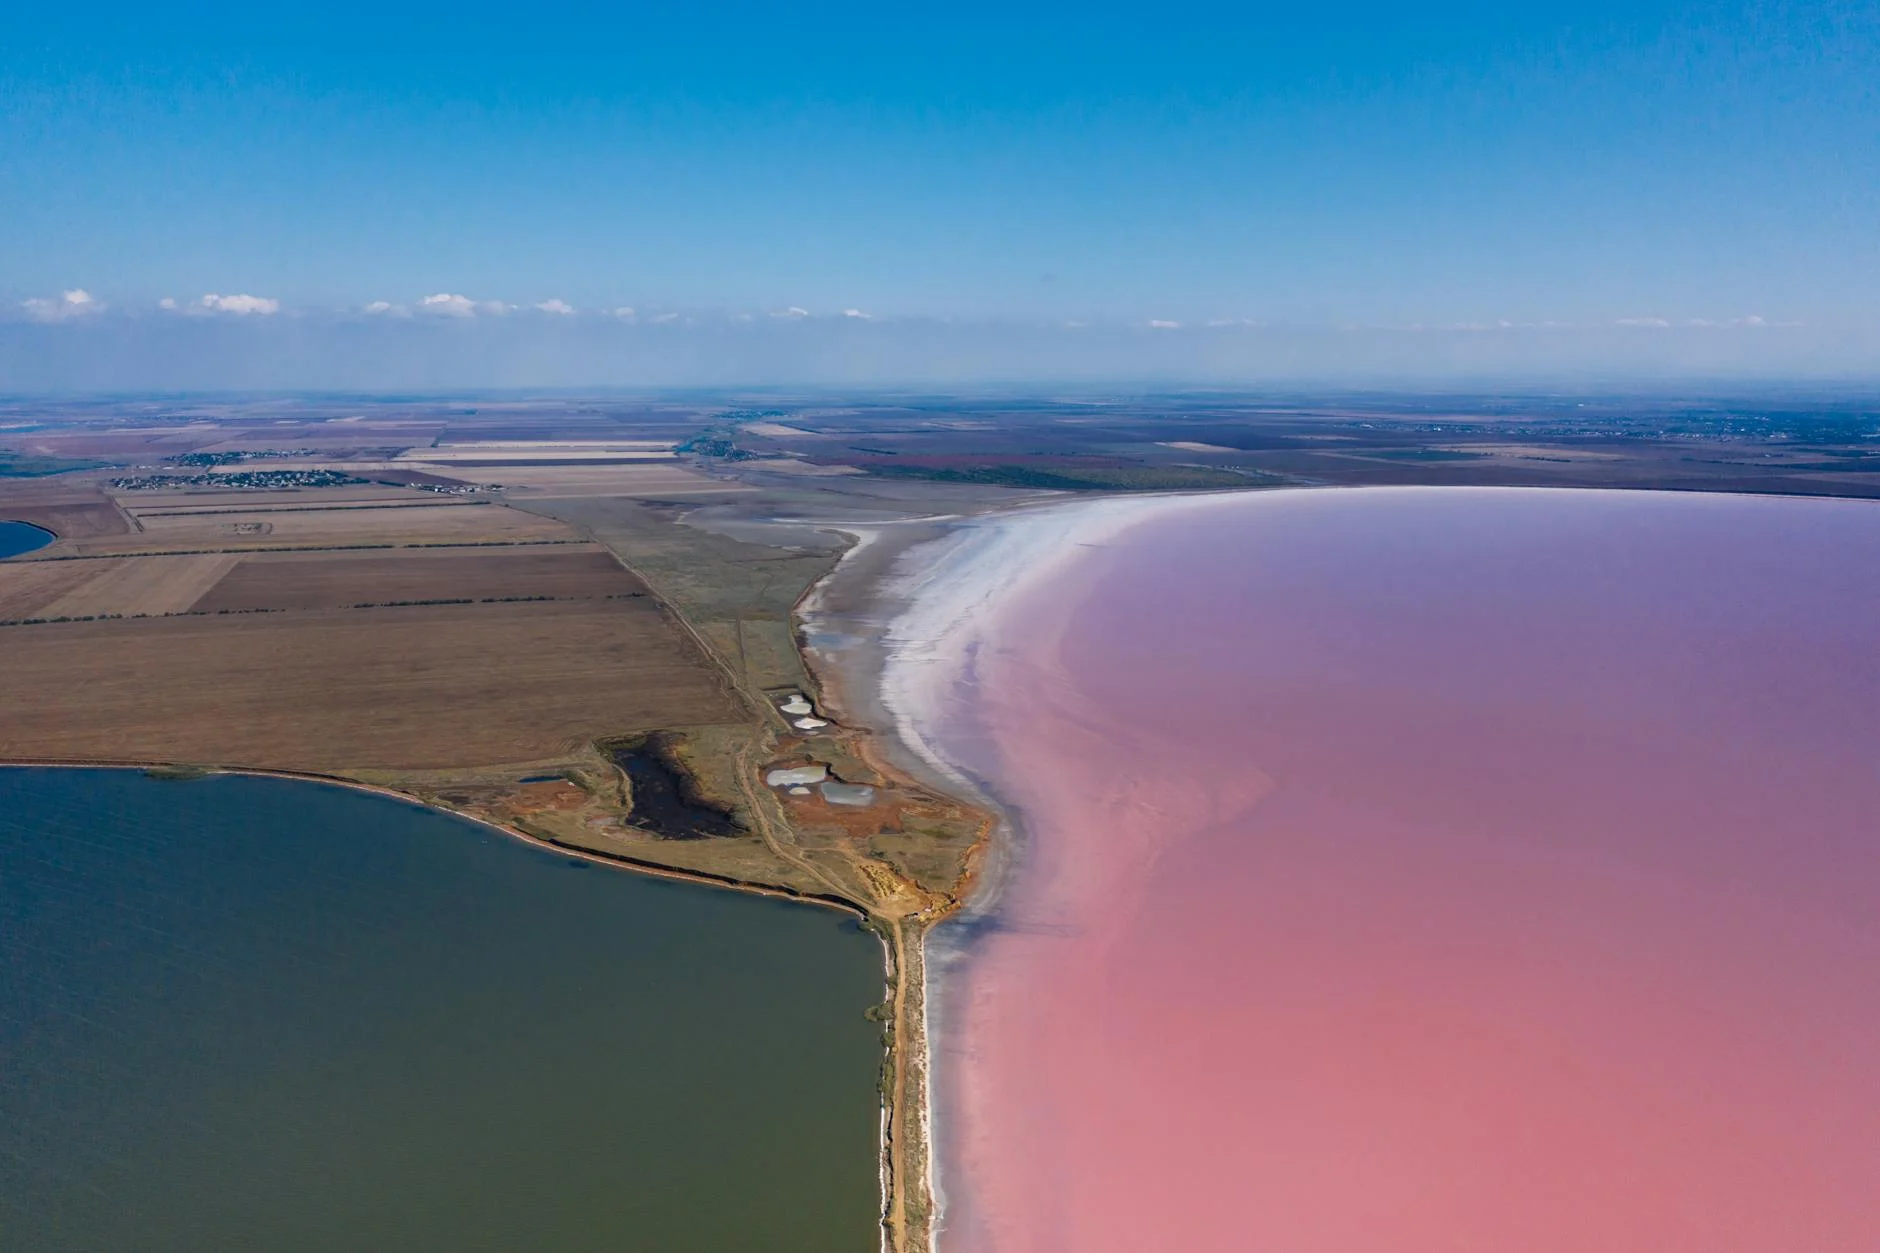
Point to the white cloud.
(1747, 320)
(386, 309)
(76, 303)
(857, 313)
(667, 317)
(624, 311)
(242, 305)
(556, 306)
(1162, 325)
(450, 305)
(792, 312)
(168, 302)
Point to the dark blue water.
(243, 1013)
(21, 537)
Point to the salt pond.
(1419, 870)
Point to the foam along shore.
(944, 598)
(891, 629)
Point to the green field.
(15, 465)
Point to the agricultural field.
(72, 511)
(27, 587)
(423, 687)
(548, 481)
(300, 525)
(407, 624)
(124, 587)
(738, 596)
(14, 466)
(236, 582)
(211, 498)
(298, 580)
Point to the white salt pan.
(792, 776)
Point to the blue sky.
(1446, 167)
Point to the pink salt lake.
(1426, 871)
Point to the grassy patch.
(1419, 454)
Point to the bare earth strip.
(339, 580)
(435, 524)
(423, 687)
(140, 585)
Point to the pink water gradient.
(1432, 872)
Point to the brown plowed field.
(139, 585)
(26, 587)
(338, 580)
(422, 687)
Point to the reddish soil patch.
(558, 796)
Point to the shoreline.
(614, 861)
(836, 621)
(888, 637)
(882, 635)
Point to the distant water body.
(244, 1013)
(21, 537)
(1424, 871)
